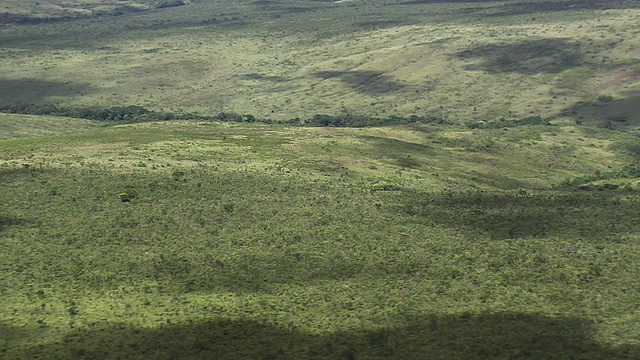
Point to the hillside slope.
(34, 11)
(200, 240)
(476, 60)
(502, 224)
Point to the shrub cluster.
(115, 113)
(353, 120)
(507, 123)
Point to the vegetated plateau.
(324, 180)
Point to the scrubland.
(501, 224)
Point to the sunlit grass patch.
(26, 126)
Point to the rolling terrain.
(472, 191)
(199, 239)
(466, 60)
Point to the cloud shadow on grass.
(591, 216)
(466, 336)
(525, 57)
(102, 32)
(363, 81)
(540, 7)
(6, 222)
(261, 77)
(36, 91)
(403, 153)
(449, 1)
(620, 112)
(532, 7)
(246, 273)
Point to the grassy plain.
(469, 60)
(201, 239)
(14, 126)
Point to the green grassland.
(468, 60)
(27, 126)
(506, 228)
(190, 239)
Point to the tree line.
(133, 114)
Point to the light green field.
(28, 126)
(478, 60)
(428, 156)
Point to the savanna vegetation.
(319, 180)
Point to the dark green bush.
(507, 123)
